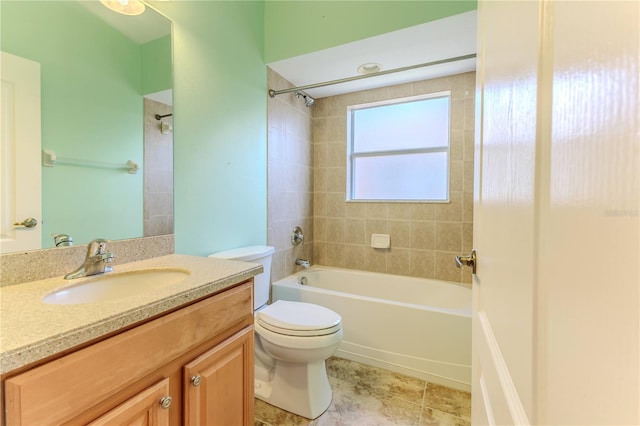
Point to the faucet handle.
(106, 257)
(97, 246)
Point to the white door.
(556, 322)
(504, 210)
(20, 172)
(589, 219)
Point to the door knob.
(27, 223)
(468, 260)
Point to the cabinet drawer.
(62, 389)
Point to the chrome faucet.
(95, 262)
(303, 262)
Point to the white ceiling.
(141, 29)
(442, 39)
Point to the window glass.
(417, 124)
(399, 150)
(401, 177)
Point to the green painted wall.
(220, 147)
(91, 110)
(294, 28)
(156, 65)
(220, 51)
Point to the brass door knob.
(468, 260)
(27, 223)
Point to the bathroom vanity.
(183, 355)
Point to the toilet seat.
(299, 319)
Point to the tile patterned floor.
(370, 396)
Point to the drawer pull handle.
(195, 380)
(165, 402)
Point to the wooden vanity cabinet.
(200, 356)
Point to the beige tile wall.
(290, 182)
(158, 171)
(424, 237)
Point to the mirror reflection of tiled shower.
(158, 169)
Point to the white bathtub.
(414, 326)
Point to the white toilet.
(292, 342)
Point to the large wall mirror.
(104, 79)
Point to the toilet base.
(302, 389)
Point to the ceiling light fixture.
(125, 7)
(369, 68)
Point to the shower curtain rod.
(273, 93)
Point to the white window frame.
(351, 156)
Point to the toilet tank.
(254, 254)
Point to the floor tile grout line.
(424, 397)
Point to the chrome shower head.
(308, 100)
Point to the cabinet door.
(218, 385)
(148, 408)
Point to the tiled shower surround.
(290, 177)
(307, 184)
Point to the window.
(398, 150)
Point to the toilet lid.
(299, 319)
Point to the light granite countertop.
(31, 330)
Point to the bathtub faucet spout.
(303, 262)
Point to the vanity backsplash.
(41, 264)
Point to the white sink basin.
(111, 286)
